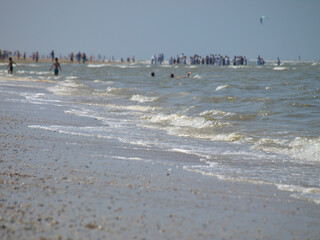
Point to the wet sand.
(59, 186)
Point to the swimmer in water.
(188, 75)
(56, 66)
(10, 65)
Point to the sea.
(256, 124)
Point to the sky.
(141, 28)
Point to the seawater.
(250, 123)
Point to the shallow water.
(247, 123)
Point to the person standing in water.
(10, 65)
(52, 55)
(278, 61)
(56, 66)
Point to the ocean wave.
(143, 99)
(304, 193)
(77, 131)
(68, 87)
(126, 66)
(300, 148)
(71, 77)
(127, 158)
(97, 65)
(179, 120)
(135, 108)
(280, 68)
(117, 91)
(216, 113)
(305, 148)
(182, 131)
(222, 87)
(192, 66)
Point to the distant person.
(71, 57)
(171, 75)
(37, 56)
(10, 65)
(188, 75)
(258, 60)
(84, 58)
(152, 74)
(56, 66)
(52, 55)
(278, 61)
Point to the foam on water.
(280, 68)
(96, 65)
(245, 123)
(179, 120)
(197, 76)
(69, 87)
(222, 87)
(143, 99)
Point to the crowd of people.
(211, 59)
(157, 59)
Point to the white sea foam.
(71, 77)
(143, 99)
(67, 87)
(237, 67)
(43, 73)
(78, 131)
(134, 108)
(311, 194)
(308, 149)
(32, 65)
(97, 81)
(127, 158)
(222, 87)
(300, 148)
(179, 120)
(96, 65)
(216, 113)
(122, 66)
(280, 68)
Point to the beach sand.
(59, 186)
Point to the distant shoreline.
(48, 60)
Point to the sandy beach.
(63, 186)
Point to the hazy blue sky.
(143, 27)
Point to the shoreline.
(61, 60)
(61, 186)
